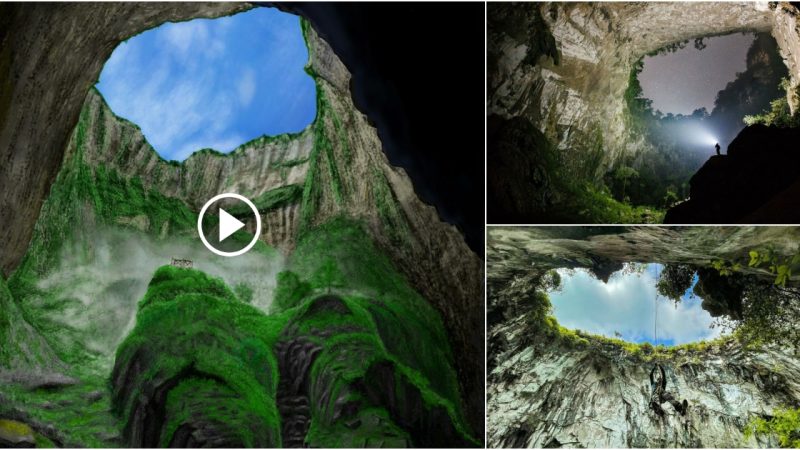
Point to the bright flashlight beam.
(708, 138)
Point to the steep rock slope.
(112, 178)
(596, 395)
(334, 167)
(724, 190)
(544, 390)
(569, 77)
(62, 47)
(269, 170)
(202, 368)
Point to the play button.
(228, 224)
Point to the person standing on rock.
(716, 147)
(658, 386)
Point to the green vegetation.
(193, 330)
(322, 168)
(290, 289)
(784, 424)
(779, 114)
(593, 204)
(780, 266)
(535, 301)
(79, 412)
(270, 200)
(675, 280)
(338, 257)
(659, 175)
(390, 213)
(199, 354)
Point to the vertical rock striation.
(61, 47)
(335, 167)
(545, 390)
(598, 396)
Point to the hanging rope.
(655, 313)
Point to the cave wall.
(50, 55)
(596, 395)
(352, 176)
(543, 391)
(512, 251)
(578, 103)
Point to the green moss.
(322, 157)
(81, 418)
(189, 321)
(271, 200)
(375, 426)
(290, 289)
(391, 215)
(396, 322)
(784, 424)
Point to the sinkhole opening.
(687, 97)
(213, 83)
(665, 305)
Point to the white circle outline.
(203, 237)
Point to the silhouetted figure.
(659, 395)
(717, 148)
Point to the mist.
(100, 280)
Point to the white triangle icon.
(227, 224)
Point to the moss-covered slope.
(203, 368)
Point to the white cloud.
(247, 86)
(185, 35)
(626, 305)
(187, 89)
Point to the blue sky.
(213, 83)
(625, 304)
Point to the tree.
(625, 174)
(551, 281)
(674, 280)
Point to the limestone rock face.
(336, 167)
(546, 392)
(254, 169)
(62, 47)
(579, 102)
(514, 251)
(545, 396)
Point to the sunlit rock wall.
(546, 392)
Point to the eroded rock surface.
(575, 96)
(335, 167)
(544, 391)
(551, 396)
(62, 47)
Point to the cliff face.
(544, 391)
(112, 179)
(62, 47)
(254, 170)
(598, 396)
(573, 91)
(335, 167)
(720, 191)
